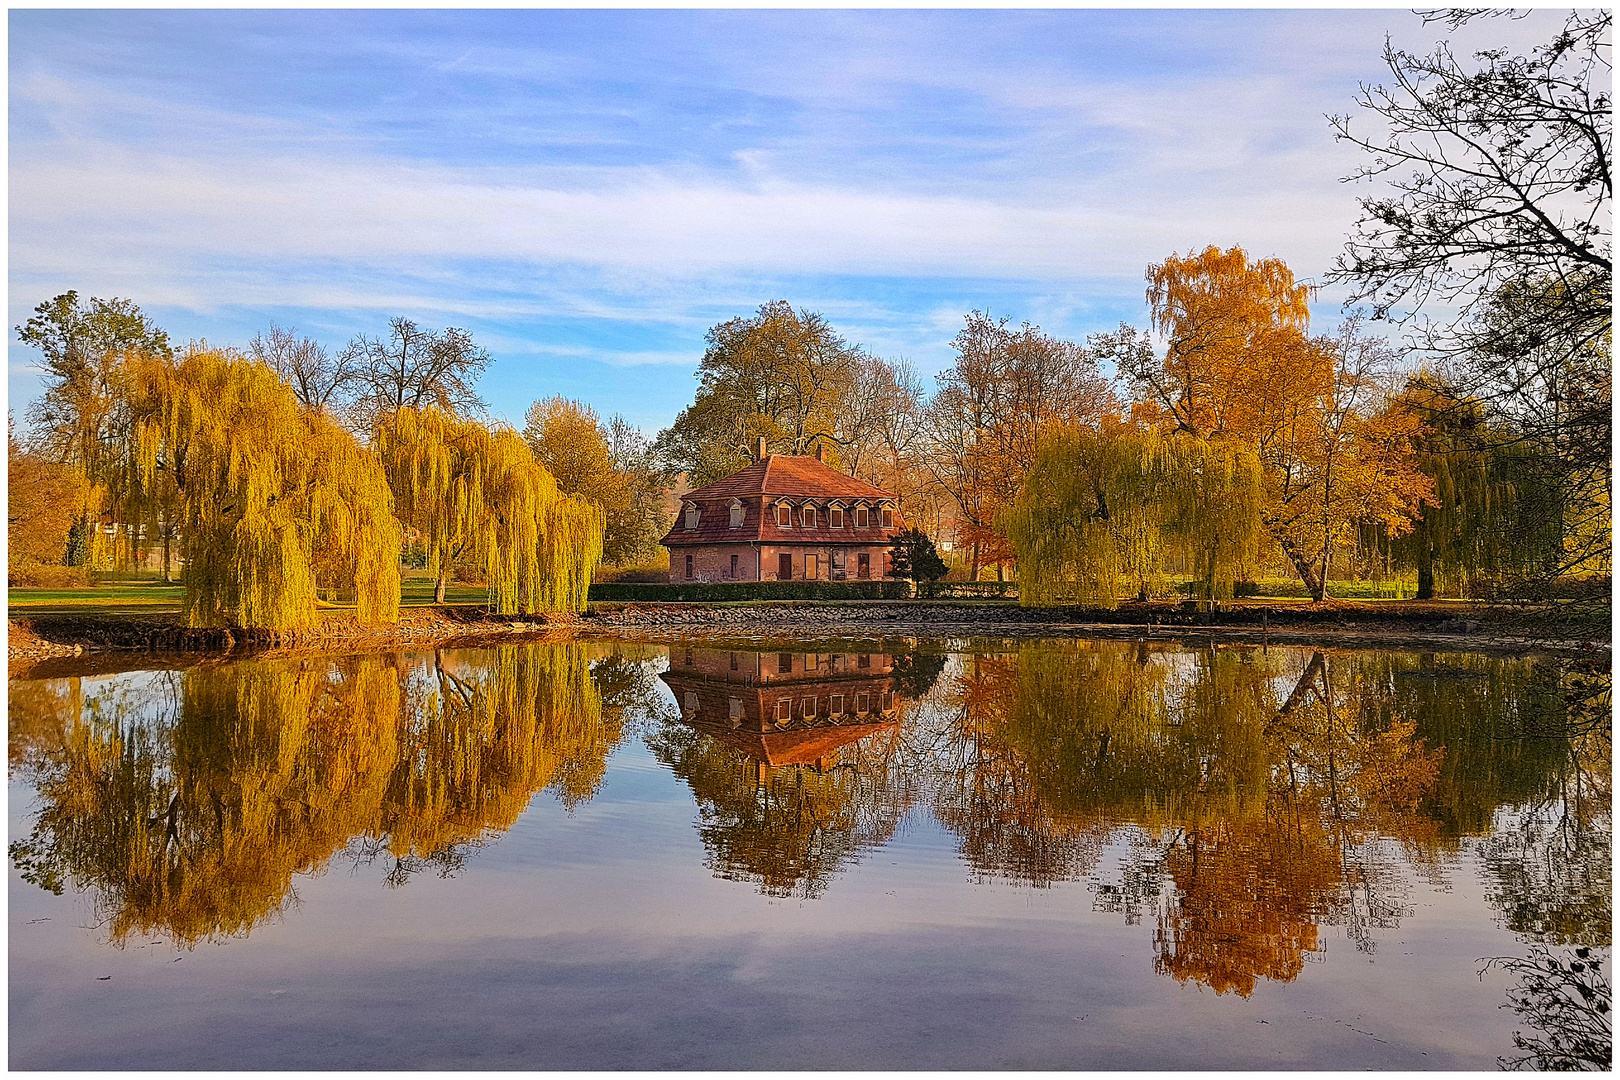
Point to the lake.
(829, 854)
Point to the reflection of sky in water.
(599, 937)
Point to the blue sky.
(589, 191)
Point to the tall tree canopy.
(608, 465)
(781, 376)
(272, 498)
(477, 493)
(981, 428)
(1491, 242)
(414, 368)
(1239, 367)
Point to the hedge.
(752, 590)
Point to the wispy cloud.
(589, 191)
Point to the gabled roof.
(796, 477)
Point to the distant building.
(783, 518)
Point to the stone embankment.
(34, 638)
(1342, 624)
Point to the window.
(863, 660)
(860, 517)
(733, 661)
(835, 704)
(784, 515)
(736, 711)
(692, 515)
(736, 514)
(689, 566)
(734, 568)
(812, 567)
(809, 517)
(863, 566)
(888, 518)
(784, 663)
(888, 700)
(836, 517)
(863, 702)
(784, 710)
(809, 704)
(784, 568)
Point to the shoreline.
(33, 639)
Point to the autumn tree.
(1239, 367)
(475, 492)
(85, 348)
(984, 422)
(780, 376)
(606, 465)
(1490, 242)
(272, 500)
(414, 368)
(41, 498)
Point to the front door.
(784, 568)
(863, 566)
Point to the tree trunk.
(438, 587)
(973, 574)
(1315, 583)
(1425, 589)
(168, 532)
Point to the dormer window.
(809, 517)
(888, 517)
(835, 517)
(862, 517)
(692, 515)
(784, 515)
(736, 513)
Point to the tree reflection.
(1269, 792)
(795, 759)
(188, 802)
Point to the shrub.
(753, 590)
(46, 576)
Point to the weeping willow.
(479, 494)
(270, 498)
(1101, 510)
(191, 812)
(1493, 517)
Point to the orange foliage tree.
(1239, 366)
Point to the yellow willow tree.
(271, 499)
(478, 494)
(1102, 508)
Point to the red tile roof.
(797, 478)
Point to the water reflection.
(785, 753)
(188, 801)
(1237, 801)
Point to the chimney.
(761, 455)
(821, 450)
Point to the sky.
(588, 192)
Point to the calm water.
(791, 855)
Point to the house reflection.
(785, 708)
(790, 756)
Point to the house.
(784, 518)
